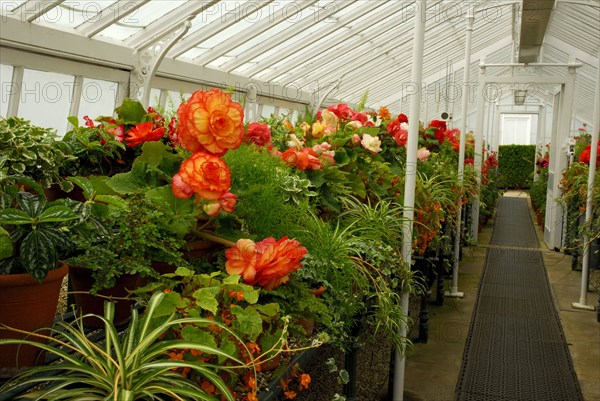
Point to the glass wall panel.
(46, 99)
(97, 98)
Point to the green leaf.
(57, 214)
(18, 168)
(131, 112)
(344, 377)
(184, 272)
(206, 298)
(32, 204)
(66, 186)
(227, 347)
(169, 304)
(15, 216)
(6, 246)
(248, 321)
(112, 200)
(153, 153)
(73, 120)
(197, 335)
(84, 184)
(270, 310)
(250, 293)
(38, 254)
(131, 182)
(232, 279)
(341, 157)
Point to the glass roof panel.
(140, 18)
(71, 14)
(213, 13)
(7, 6)
(245, 25)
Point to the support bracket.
(148, 60)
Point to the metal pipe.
(582, 304)
(533, 65)
(461, 153)
(410, 183)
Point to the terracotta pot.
(82, 282)
(200, 248)
(28, 305)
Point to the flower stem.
(212, 237)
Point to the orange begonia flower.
(144, 133)
(204, 174)
(210, 121)
(267, 263)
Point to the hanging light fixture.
(519, 96)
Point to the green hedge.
(515, 166)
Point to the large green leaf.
(31, 204)
(85, 185)
(57, 214)
(15, 216)
(38, 255)
(153, 153)
(197, 335)
(131, 112)
(206, 298)
(6, 247)
(132, 182)
(248, 321)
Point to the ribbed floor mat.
(516, 350)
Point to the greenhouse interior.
(314, 200)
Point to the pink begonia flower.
(356, 139)
(227, 202)
(371, 143)
(423, 154)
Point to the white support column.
(461, 153)
(559, 161)
(76, 97)
(478, 156)
(251, 106)
(539, 138)
(582, 304)
(411, 180)
(496, 133)
(15, 96)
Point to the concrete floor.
(432, 369)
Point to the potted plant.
(138, 235)
(137, 365)
(34, 236)
(33, 152)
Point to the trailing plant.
(260, 328)
(140, 364)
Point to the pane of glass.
(73, 13)
(140, 18)
(154, 97)
(8, 6)
(46, 99)
(6, 87)
(97, 98)
(267, 110)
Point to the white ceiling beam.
(109, 16)
(258, 28)
(324, 13)
(295, 51)
(167, 23)
(219, 25)
(34, 38)
(32, 10)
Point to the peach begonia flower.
(294, 142)
(318, 129)
(204, 174)
(329, 118)
(371, 143)
(210, 121)
(423, 154)
(267, 263)
(305, 159)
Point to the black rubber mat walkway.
(516, 350)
